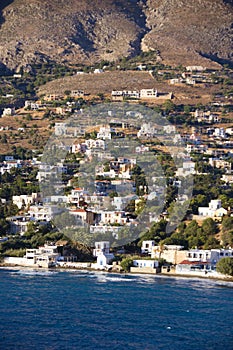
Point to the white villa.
(213, 210)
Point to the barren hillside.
(85, 31)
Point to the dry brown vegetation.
(94, 84)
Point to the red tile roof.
(188, 262)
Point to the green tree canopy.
(225, 266)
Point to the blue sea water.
(51, 310)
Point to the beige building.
(171, 253)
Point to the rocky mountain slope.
(85, 31)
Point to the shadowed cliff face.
(3, 4)
(85, 31)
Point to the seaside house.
(199, 262)
(102, 252)
(145, 266)
(46, 256)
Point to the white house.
(141, 149)
(145, 263)
(104, 260)
(187, 169)
(98, 71)
(195, 68)
(26, 199)
(144, 266)
(77, 195)
(147, 246)
(202, 262)
(169, 129)
(227, 178)
(148, 93)
(147, 130)
(219, 132)
(43, 212)
(131, 94)
(46, 256)
(101, 247)
(105, 133)
(60, 129)
(8, 112)
(113, 217)
(213, 210)
(229, 131)
(220, 163)
(80, 214)
(78, 147)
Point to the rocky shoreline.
(89, 269)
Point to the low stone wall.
(143, 270)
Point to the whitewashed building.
(147, 246)
(26, 199)
(213, 210)
(102, 252)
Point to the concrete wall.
(19, 261)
